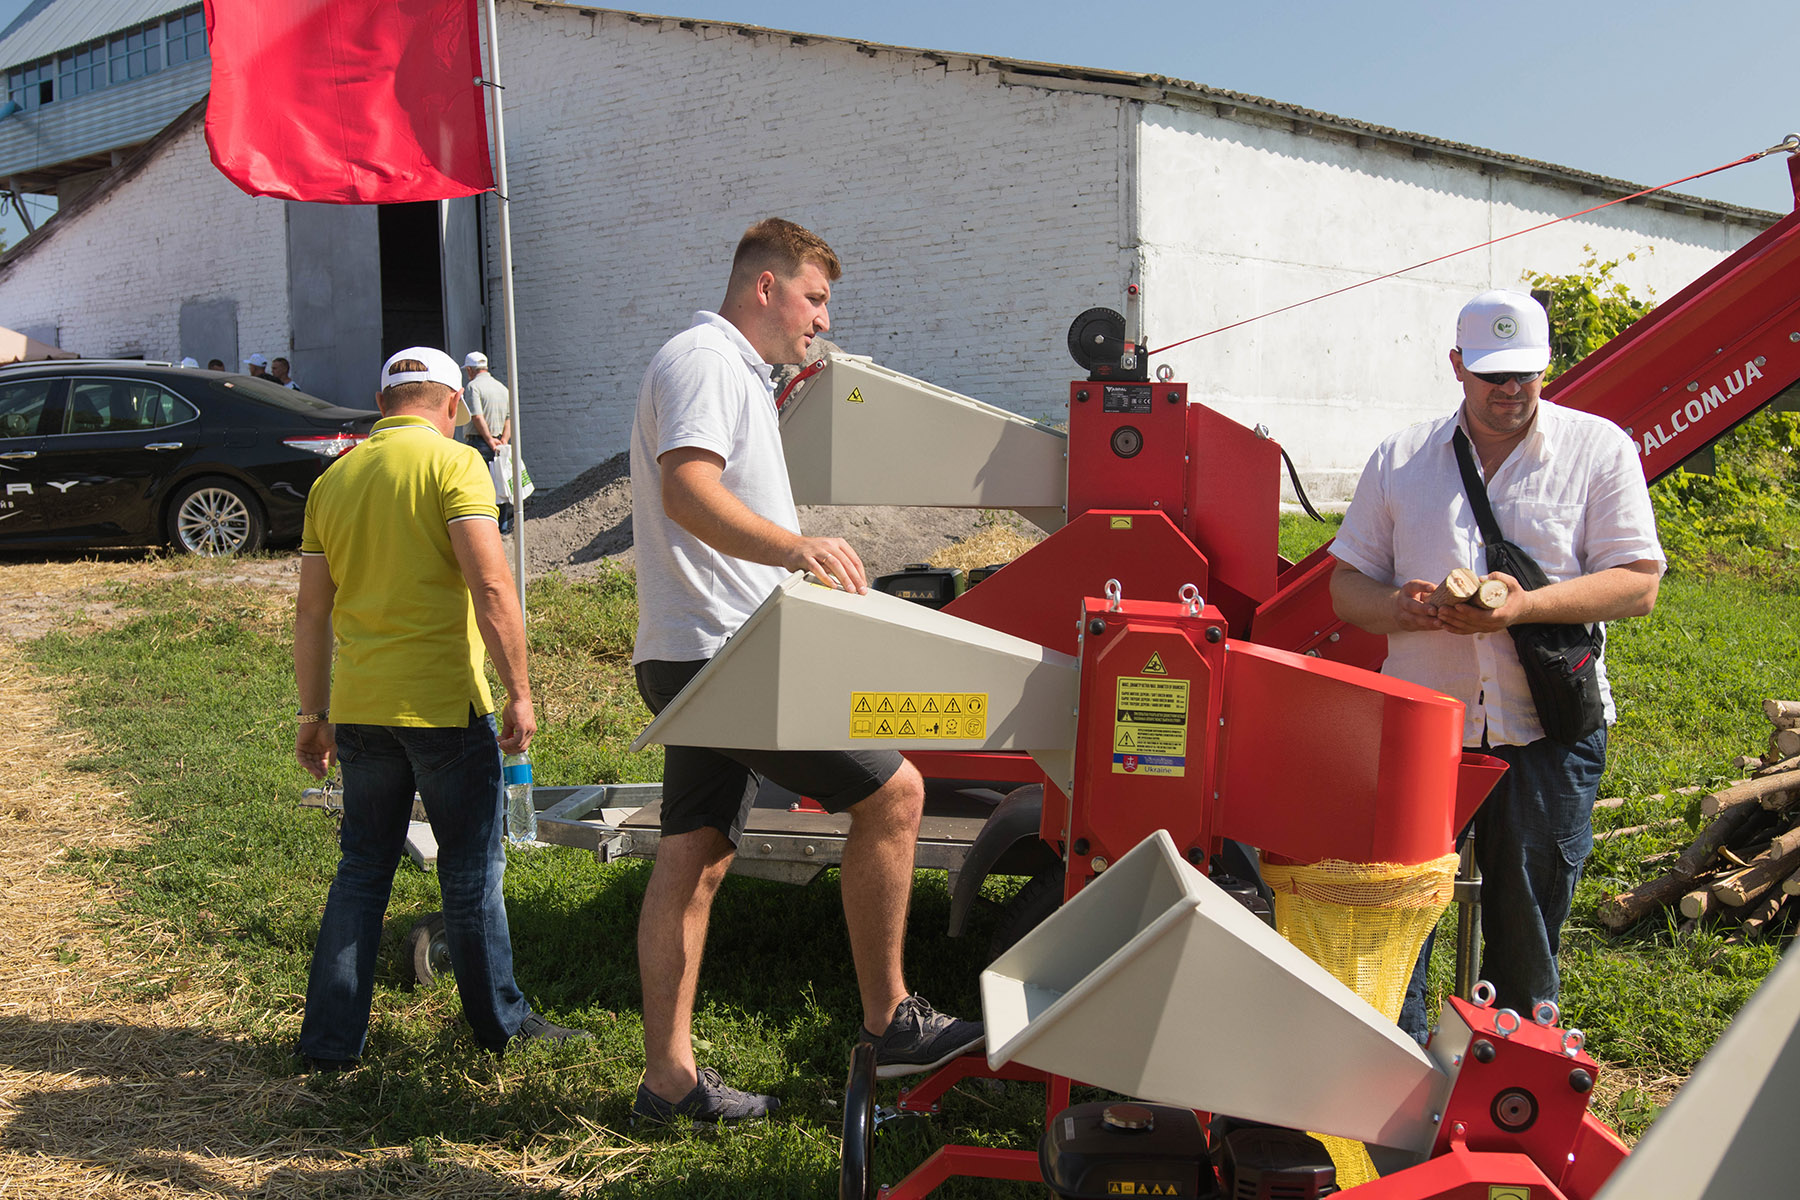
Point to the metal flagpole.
(498, 123)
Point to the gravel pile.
(585, 525)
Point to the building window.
(186, 37)
(120, 58)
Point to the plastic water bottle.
(521, 813)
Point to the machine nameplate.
(1125, 398)
(1150, 732)
(1118, 522)
(1509, 1191)
(948, 715)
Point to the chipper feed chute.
(816, 668)
(1153, 982)
(856, 433)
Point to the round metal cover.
(1134, 1118)
(1097, 338)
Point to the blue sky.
(1646, 91)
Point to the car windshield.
(274, 393)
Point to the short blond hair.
(783, 248)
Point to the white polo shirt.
(1571, 494)
(709, 388)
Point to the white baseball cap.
(475, 358)
(257, 360)
(190, 363)
(439, 368)
(1503, 331)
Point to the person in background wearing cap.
(490, 409)
(278, 372)
(259, 365)
(190, 363)
(1565, 487)
(402, 562)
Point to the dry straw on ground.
(103, 1096)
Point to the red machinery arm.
(1705, 359)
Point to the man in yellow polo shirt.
(402, 561)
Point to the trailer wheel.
(1029, 907)
(429, 948)
(856, 1166)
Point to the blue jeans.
(457, 775)
(1532, 835)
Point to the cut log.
(1619, 911)
(1657, 860)
(1765, 912)
(1765, 784)
(1492, 594)
(1777, 767)
(1610, 802)
(1459, 585)
(1746, 762)
(1766, 871)
(1791, 885)
(1698, 903)
(1781, 710)
(1785, 743)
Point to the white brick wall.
(976, 212)
(974, 220)
(1241, 219)
(112, 280)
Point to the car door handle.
(20, 454)
(163, 446)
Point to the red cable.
(1466, 249)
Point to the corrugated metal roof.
(51, 25)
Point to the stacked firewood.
(1744, 868)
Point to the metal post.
(498, 123)
(1467, 892)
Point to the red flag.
(348, 101)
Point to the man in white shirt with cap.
(490, 418)
(1566, 487)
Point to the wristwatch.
(306, 718)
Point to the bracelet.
(306, 718)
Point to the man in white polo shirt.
(716, 531)
(1567, 488)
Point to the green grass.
(190, 710)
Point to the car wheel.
(211, 517)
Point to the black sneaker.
(921, 1039)
(710, 1102)
(537, 1028)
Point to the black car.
(125, 452)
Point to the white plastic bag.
(501, 470)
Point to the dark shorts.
(714, 789)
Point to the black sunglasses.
(1502, 378)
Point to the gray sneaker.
(538, 1028)
(710, 1102)
(921, 1039)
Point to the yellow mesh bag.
(1365, 923)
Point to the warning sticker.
(918, 715)
(1150, 729)
(1155, 665)
(855, 396)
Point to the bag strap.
(1478, 497)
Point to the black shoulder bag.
(1561, 662)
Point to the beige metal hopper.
(816, 668)
(857, 433)
(1728, 1134)
(16, 347)
(1155, 983)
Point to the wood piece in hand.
(1459, 585)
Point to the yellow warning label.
(1127, 1187)
(1150, 726)
(918, 715)
(855, 396)
(1509, 1191)
(1155, 665)
(1118, 522)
